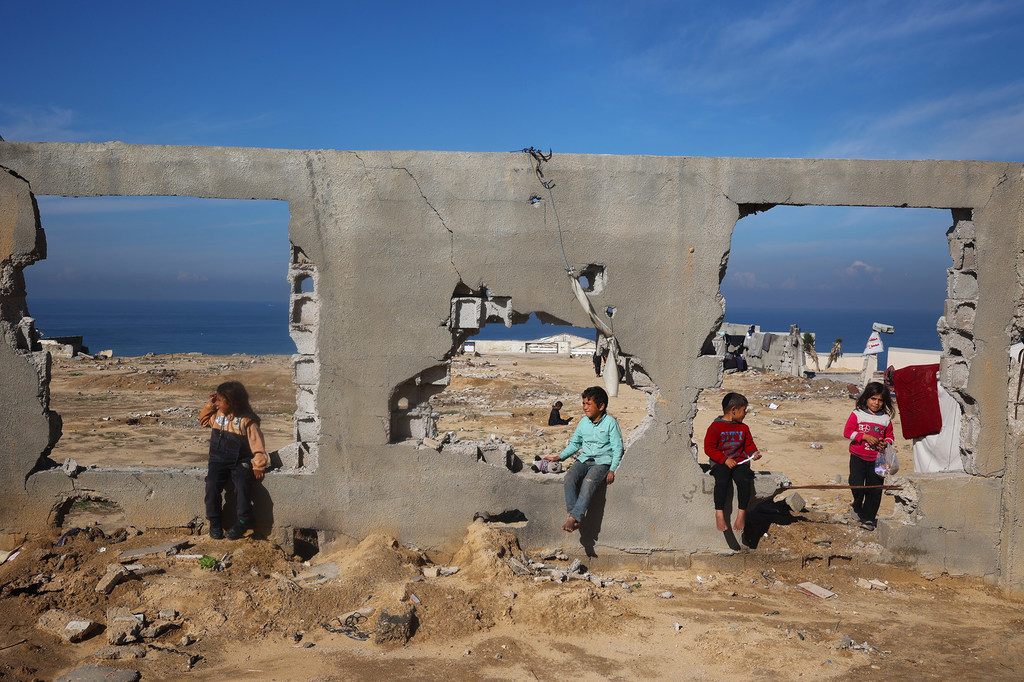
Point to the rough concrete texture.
(390, 238)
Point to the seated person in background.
(555, 418)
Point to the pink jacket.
(862, 422)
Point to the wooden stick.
(842, 487)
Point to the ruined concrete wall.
(390, 237)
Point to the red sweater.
(728, 440)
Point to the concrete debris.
(394, 626)
(113, 653)
(872, 584)
(575, 567)
(166, 549)
(115, 575)
(71, 627)
(549, 554)
(815, 590)
(141, 570)
(123, 626)
(439, 571)
(666, 595)
(156, 629)
(71, 468)
(97, 673)
(795, 502)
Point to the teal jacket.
(601, 442)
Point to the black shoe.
(867, 524)
(216, 530)
(236, 531)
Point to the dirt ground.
(728, 616)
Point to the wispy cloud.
(745, 280)
(191, 277)
(40, 124)
(858, 268)
(983, 124)
(798, 44)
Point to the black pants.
(240, 473)
(744, 479)
(865, 502)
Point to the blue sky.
(800, 79)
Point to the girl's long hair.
(870, 391)
(238, 398)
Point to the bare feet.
(570, 525)
(720, 520)
(741, 520)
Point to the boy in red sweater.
(731, 447)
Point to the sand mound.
(485, 552)
(380, 557)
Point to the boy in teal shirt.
(599, 441)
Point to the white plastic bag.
(887, 462)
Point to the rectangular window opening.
(146, 304)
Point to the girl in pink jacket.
(869, 429)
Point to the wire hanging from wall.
(611, 366)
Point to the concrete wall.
(389, 238)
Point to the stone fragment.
(115, 575)
(167, 614)
(165, 549)
(123, 627)
(98, 673)
(113, 653)
(575, 567)
(795, 502)
(156, 629)
(70, 467)
(431, 571)
(71, 627)
(394, 625)
(465, 449)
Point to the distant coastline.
(132, 328)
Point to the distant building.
(559, 344)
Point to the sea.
(132, 328)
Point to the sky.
(801, 79)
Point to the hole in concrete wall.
(496, 394)
(186, 293)
(832, 271)
(306, 543)
(81, 512)
(303, 285)
(592, 278)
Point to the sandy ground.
(730, 616)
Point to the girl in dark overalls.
(237, 452)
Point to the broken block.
(115, 575)
(71, 627)
(394, 626)
(466, 449)
(123, 626)
(156, 629)
(113, 653)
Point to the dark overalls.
(230, 457)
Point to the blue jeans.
(581, 482)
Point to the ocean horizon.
(132, 328)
